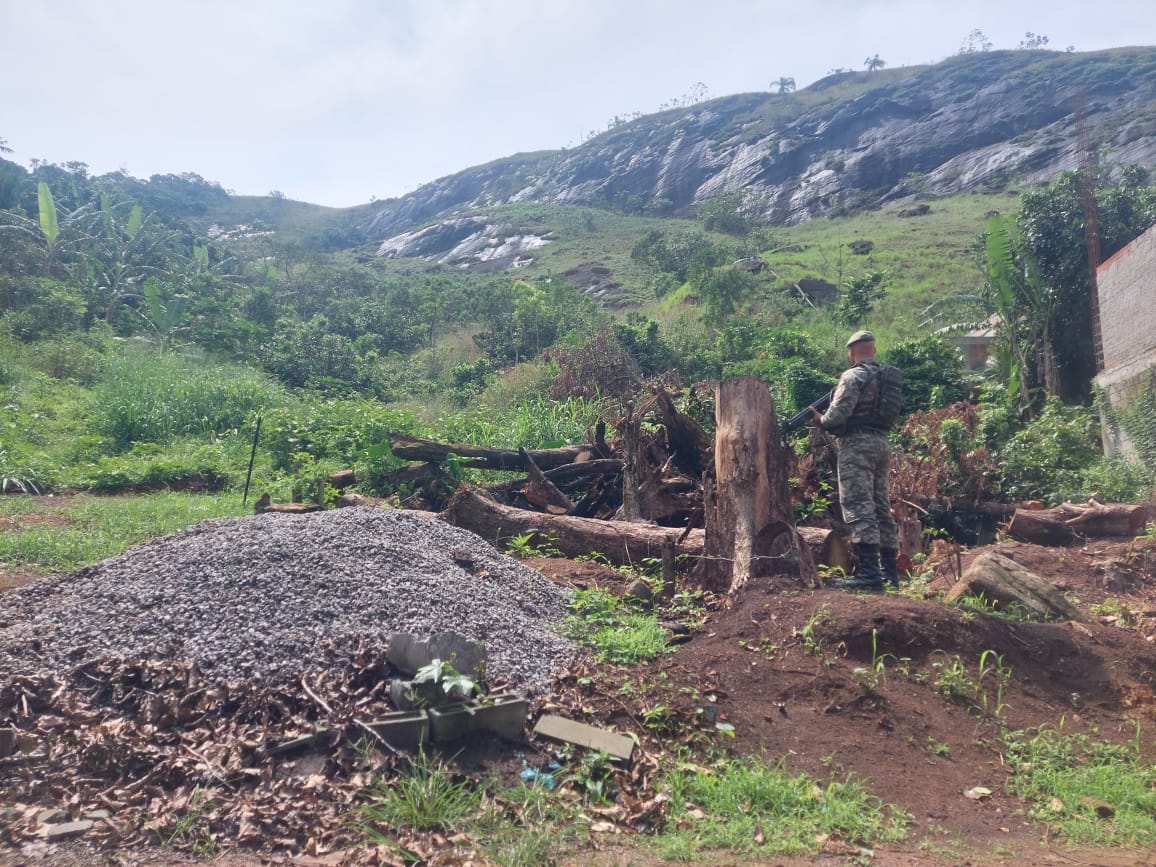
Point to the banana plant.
(163, 315)
(58, 238)
(1024, 307)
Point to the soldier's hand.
(816, 416)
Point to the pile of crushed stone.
(270, 596)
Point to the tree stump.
(749, 516)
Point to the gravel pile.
(270, 595)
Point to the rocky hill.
(853, 139)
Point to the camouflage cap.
(861, 337)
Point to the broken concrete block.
(410, 654)
(568, 731)
(65, 830)
(51, 816)
(97, 815)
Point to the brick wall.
(1127, 284)
(1127, 287)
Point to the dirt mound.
(908, 694)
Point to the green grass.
(85, 529)
(427, 797)
(747, 807)
(147, 396)
(1066, 776)
(523, 826)
(615, 631)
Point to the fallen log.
(1003, 580)
(483, 457)
(1067, 522)
(1038, 528)
(266, 504)
(621, 542)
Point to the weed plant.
(753, 809)
(617, 633)
(426, 797)
(955, 681)
(1066, 776)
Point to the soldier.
(863, 409)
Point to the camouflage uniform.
(864, 459)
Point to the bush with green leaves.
(1046, 459)
(341, 430)
(931, 373)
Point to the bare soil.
(804, 702)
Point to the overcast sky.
(338, 101)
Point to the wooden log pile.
(654, 491)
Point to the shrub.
(1045, 460)
(347, 432)
(931, 373)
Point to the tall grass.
(536, 423)
(147, 396)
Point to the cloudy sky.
(338, 101)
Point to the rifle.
(804, 415)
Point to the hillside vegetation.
(148, 325)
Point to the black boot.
(889, 560)
(867, 573)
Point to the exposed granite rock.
(972, 121)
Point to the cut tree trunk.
(621, 542)
(483, 457)
(750, 519)
(1002, 579)
(1068, 522)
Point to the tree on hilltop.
(874, 63)
(786, 84)
(975, 42)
